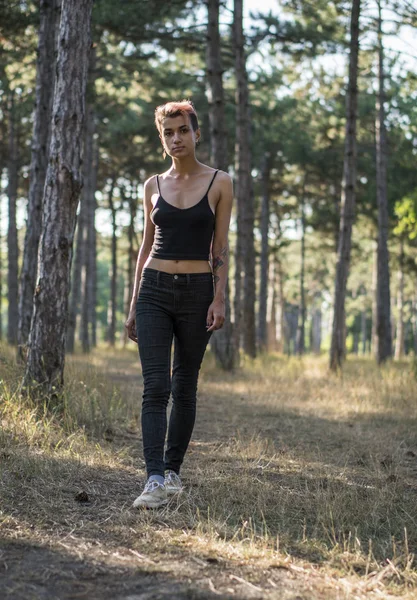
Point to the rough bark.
(46, 356)
(44, 93)
(383, 326)
(244, 193)
(223, 342)
(399, 338)
(111, 319)
(215, 93)
(348, 198)
(12, 243)
(264, 275)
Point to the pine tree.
(46, 356)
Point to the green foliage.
(406, 213)
(152, 52)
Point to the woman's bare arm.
(220, 253)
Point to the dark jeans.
(170, 307)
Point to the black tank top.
(182, 233)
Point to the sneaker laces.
(172, 477)
(152, 485)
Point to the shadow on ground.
(33, 571)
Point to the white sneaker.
(153, 495)
(173, 483)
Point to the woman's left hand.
(216, 315)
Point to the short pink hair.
(176, 109)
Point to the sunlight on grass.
(290, 466)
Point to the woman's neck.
(184, 167)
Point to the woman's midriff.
(178, 266)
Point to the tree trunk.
(291, 318)
(93, 305)
(374, 295)
(363, 331)
(12, 246)
(215, 93)
(263, 292)
(88, 198)
(316, 321)
(223, 340)
(132, 254)
(244, 193)
(46, 356)
(1, 270)
(337, 349)
(399, 338)
(383, 327)
(280, 309)
(356, 334)
(300, 344)
(45, 81)
(407, 337)
(80, 304)
(111, 331)
(77, 277)
(414, 317)
(271, 305)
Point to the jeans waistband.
(188, 278)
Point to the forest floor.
(299, 485)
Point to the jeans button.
(175, 276)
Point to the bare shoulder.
(223, 177)
(149, 186)
(224, 186)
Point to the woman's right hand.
(131, 327)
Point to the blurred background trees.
(270, 89)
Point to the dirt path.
(57, 544)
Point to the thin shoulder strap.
(157, 184)
(211, 182)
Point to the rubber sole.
(150, 505)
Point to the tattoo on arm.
(218, 262)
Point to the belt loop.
(157, 278)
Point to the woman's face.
(178, 137)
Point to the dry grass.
(299, 484)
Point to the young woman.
(178, 293)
